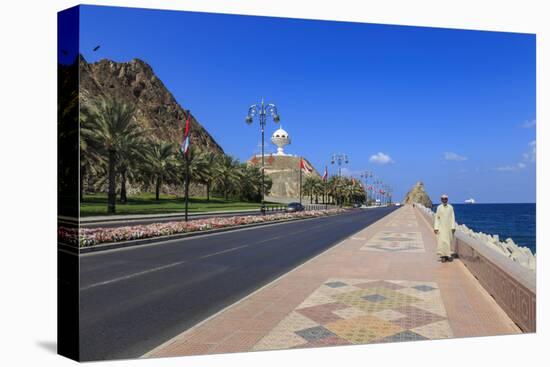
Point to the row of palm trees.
(116, 151)
(341, 190)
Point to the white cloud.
(451, 156)
(380, 158)
(529, 124)
(510, 167)
(533, 151)
(529, 156)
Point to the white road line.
(222, 252)
(129, 276)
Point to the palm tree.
(160, 164)
(130, 162)
(348, 190)
(318, 188)
(307, 187)
(113, 130)
(90, 154)
(336, 187)
(250, 187)
(199, 170)
(352, 191)
(229, 175)
(211, 170)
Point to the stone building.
(283, 169)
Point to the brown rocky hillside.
(136, 84)
(418, 195)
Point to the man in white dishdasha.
(444, 228)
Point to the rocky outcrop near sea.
(418, 195)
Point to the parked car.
(295, 207)
(356, 205)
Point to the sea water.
(517, 221)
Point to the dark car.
(295, 207)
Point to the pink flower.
(93, 236)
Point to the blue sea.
(516, 221)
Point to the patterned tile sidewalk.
(383, 284)
(395, 242)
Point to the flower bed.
(86, 237)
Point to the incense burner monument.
(283, 169)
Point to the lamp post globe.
(262, 111)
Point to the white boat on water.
(469, 201)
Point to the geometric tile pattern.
(395, 242)
(402, 223)
(360, 311)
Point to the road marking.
(129, 276)
(222, 252)
(133, 275)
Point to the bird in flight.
(96, 48)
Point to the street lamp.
(366, 175)
(339, 158)
(376, 192)
(262, 111)
(389, 193)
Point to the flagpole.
(326, 198)
(186, 157)
(186, 185)
(301, 180)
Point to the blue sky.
(453, 108)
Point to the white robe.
(445, 223)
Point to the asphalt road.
(134, 299)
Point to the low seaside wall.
(511, 281)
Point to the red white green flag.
(186, 141)
(305, 166)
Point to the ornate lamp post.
(377, 182)
(389, 193)
(366, 175)
(339, 158)
(262, 111)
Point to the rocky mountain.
(136, 84)
(418, 195)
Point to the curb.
(146, 241)
(170, 216)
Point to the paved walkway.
(384, 284)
